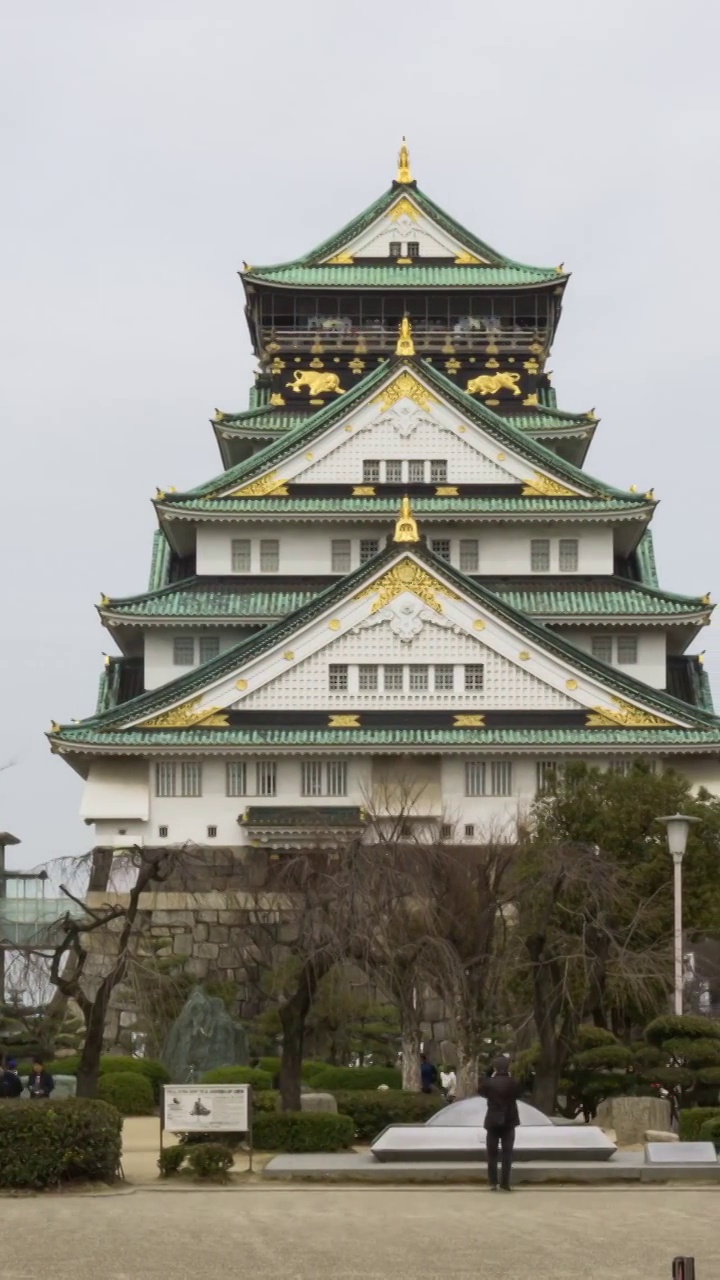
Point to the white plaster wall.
(650, 667)
(159, 665)
(116, 789)
(306, 547)
(465, 464)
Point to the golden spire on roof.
(404, 173)
(406, 529)
(405, 345)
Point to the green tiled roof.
(422, 507)
(190, 600)
(160, 561)
(357, 276)
(646, 559)
(502, 429)
(268, 421)
(394, 738)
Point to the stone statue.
(202, 1037)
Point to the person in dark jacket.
(501, 1121)
(11, 1086)
(40, 1083)
(428, 1075)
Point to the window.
(393, 678)
(413, 249)
(183, 651)
(546, 772)
(336, 771)
(474, 779)
(419, 679)
(500, 778)
(568, 555)
(338, 677)
(212, 832)
(165, 779)
(236, 778)
(623, 767)
(416, 471)
(469, 830)
(396, 249)
(209, 648)
(368, 549)
(474, 677)
(163, 832)
(190, 778)
(540, 555)
(444, 676)
(318, 779)
(311, 780)
(469, 559)
(269, 555)
(441, 548)
(446, 831)
(371, 471)
(438, 471)
(627, 650)
(393, 471)
(492, 779)
(602, 648)
(266, 778)
(241, 555)
(340, 555)
(367, 678)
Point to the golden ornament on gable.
(465, 259)
(315, 382)
(405, 345)
(411, 577)
(405, 387)
(542, 486)
(341, 260)
(315, 363)
(185, 716)
(626, 715)
(344, 722)
(406, 529)
(266, 486)
(468, 722)
(357, 366)
(486, 384)
(403, 209)
(363, 491)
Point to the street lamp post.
(678, 828)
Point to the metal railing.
(341, 335)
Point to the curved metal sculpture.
(470, 1113)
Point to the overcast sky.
(149, 147)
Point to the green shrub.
(211, 1160)
(110, 1062)
(328, 1079)
(308, 1069)
(170, 1160)
(43, 1143)
(372, 1110)
(231, 1139)
(689, 1026)
(692, 1120)
(303, 1131)
(129, 1091)
(265, 1100)
(710, 1132)
(238, 1075)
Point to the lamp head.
(678, 828)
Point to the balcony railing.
(343, 335)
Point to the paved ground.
(360, 1234)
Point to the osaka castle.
(403, 587)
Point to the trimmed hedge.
(265, 1100)
(153, 1070)
(308, 1069)
(328, 1079)
(210, 1160)
(129, 1091)
(710, 1132)
(238, 1075)
(302, 1131)
(690, 1026)
(372, 1110)
(692, 1120)
(43, 1143)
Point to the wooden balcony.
(464, 336)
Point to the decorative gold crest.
(185, 715)
(403, 209)
(406, 529)
(468, 260)
(344, 722)
(405, 345)
(406, 387)
(407, 576)
(545, 487)
(625, 714)
(468, 722)
(341, 260)
(262, 488)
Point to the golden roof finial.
(406, 529)
(404, 173)
(405, 345)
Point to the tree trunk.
(545, 1087)
(410, 1056)
(89, 1065)
(293, 1016)
(466, 1072)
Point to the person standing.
(40, 1083)
(448, 1083)
(501, 1121)
(428, 1075)
(11, 1086)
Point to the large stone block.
(200, 932)
(206, 950)
(197, 967)
(172, 917)
(208, 917)
(219, 933)
(183, 944)
(318, 1102)
(231, 917)
(632, 1117)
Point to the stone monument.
(202, 1037)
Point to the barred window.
(444, 676)
(190, 778)
(441, 548)
(371, 471)
(469, 830)
(446, 831)
(419, 679)
(266, 778)
(438, 471)
(474, 778)
(546, 772)
(338, 677)
(627, 650)
(393, 471)
(311, 778)
(336, 771)
(269, 555)
(602, 648)
(164, 778)
(209, 648)
(183, 651)
(323, 779)
(393, 677)
(241, 555)
(367, 678)
(493, 778)
(340, 555)
(500, 778)
(540, 555)
(568, 555)
(413, 249)
(368, 549)
(623, 767)
(396, 249)
(474, 677)
(236, 777)
(416, 471)
(469, 557)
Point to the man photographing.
(501, 1121)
